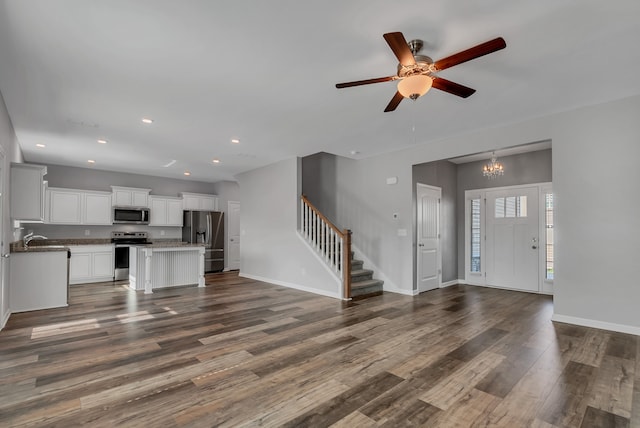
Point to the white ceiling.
(73, 71)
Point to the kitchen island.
(162, 265)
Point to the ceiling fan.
(418, 73)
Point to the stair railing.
(332, 244)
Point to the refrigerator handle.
(208, 235)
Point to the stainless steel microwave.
(130, 215)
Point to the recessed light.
(41, 145)
(187, 173)
(91, 161)
(235, 141)
(147, 120)
(102, 141)
(216, 161)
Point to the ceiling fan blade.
(471, 53)
(452, 87)
(364, 82)
(394, 102)
(400, 48)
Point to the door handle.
(534, 247)
(420, 245)
(6, 256)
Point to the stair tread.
(360, 271)
(366, 283)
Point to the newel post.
(346, 263)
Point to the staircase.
(362, 283)
(334, 247)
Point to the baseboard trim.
(291, 285)
(450, 283)
(603, 325)
(399, 291)
(5, 319)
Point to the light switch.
(402, 232)
(392, 180)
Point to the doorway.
(505, 239)
(429, 257)
(233, 244)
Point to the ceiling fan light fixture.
(415, 86)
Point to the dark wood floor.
(245, 353)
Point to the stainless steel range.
(122, 242)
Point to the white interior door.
(234, 235)
(428, 237)
(512, 241)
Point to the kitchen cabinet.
(27, 192)
(80, 207)
(129, 196)
(199, 202)
(165, 211)
(38, 280)
(91, 263)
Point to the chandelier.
(493, 169)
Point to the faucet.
(30, 237)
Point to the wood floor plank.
(241, 352)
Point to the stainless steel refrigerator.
(206, 227)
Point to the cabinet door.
(139, 199)
(97, 208)
(65, 207)
(191, 203)
(102, 265)
(208, 203)
(158, 215)
(174, 212)
(79, 267)
(27, 192)
(122, 198)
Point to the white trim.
(291, 285)
(450, 283)
(603, 325)
(6, 319)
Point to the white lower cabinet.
(90, 263)
(165, 211)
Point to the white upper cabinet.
(165, 211)
(70, 206)
(130, 197)
(199, 202)
(27, 192)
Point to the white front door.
(234, 235)
(512, 239)
(428, 237)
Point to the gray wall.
(526, 168)
(441, 174)
(271, 249)
(319, 182)
(97, 179)
(226, 191)
(11, 153)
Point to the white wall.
(597, 246)
(226, 191)
(12, 153)
(270, 248)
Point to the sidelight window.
(475, 235)
(548, 220)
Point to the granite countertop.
(37, 248)
(41, 245)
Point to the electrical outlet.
(87, 232)
(162, 233)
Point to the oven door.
(121, 262)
